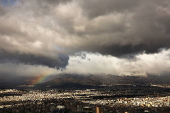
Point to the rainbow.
(41, 79)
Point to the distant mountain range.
(96, 79)
(66, 80)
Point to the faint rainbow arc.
(41, 78)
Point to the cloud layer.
(48, 32)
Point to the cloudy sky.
(84, 36)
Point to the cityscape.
(107, 99)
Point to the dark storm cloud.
(125, 51)
(31, 59)
(126, 27)
(94, 8)
(57, 1)
(2, 11)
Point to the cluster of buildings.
(77, 101)
(145, 102)
(148, 102)
(51, 94)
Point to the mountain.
(75, 80)
(66, 80)
(8, 81)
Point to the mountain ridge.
(93, 80)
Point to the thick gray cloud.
(95, 8)
(30, 59)
(57, 1)
(2, 11)
(47, 32)
(127, 26)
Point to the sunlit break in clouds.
(84, 37)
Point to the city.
(86, 100)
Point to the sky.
(84, 36)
